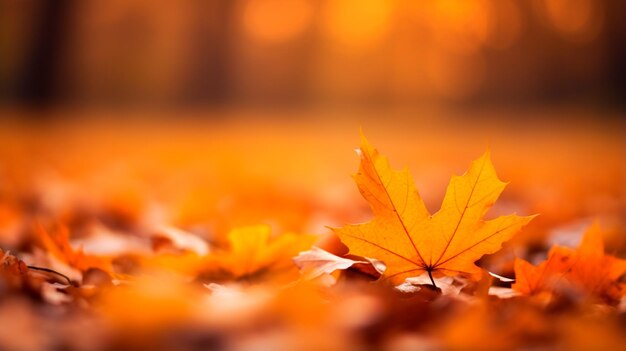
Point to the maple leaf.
(411, 241)
(253, 253)
(252, 250)
(58, 245)
(530, 279)
(588, 268)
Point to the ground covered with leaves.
(223, 236)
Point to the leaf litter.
(406, 279)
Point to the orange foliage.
(58, 245)
(215, 258)
(587, 268)
(409, 239)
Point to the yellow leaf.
(253, 251)
(409, 239)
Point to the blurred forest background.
(218, 108)
(305, 53)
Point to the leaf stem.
(430, 275)
(69, 281)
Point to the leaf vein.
(480, 172)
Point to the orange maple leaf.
(410, 240)
(58, 245)
(588, 268)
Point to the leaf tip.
(362, 136)
(531, 217)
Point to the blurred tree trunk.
(36, 83)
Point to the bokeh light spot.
(461, 26)
(357, 23)
(576, 20)
(276, 21)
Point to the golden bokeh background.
(208, 115)
(311, 53)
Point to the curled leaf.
(316, 262)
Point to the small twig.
(69, 281)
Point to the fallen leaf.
(50, 292)
(252, 253)
(16, 274)
(447, 284)
(253, 249)
(13, 271)
(316, 262)
(181, 239)
(411, 241)
(501, 278)
(587, 268)
(530, 279)
(58, 245)
(503, 293)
